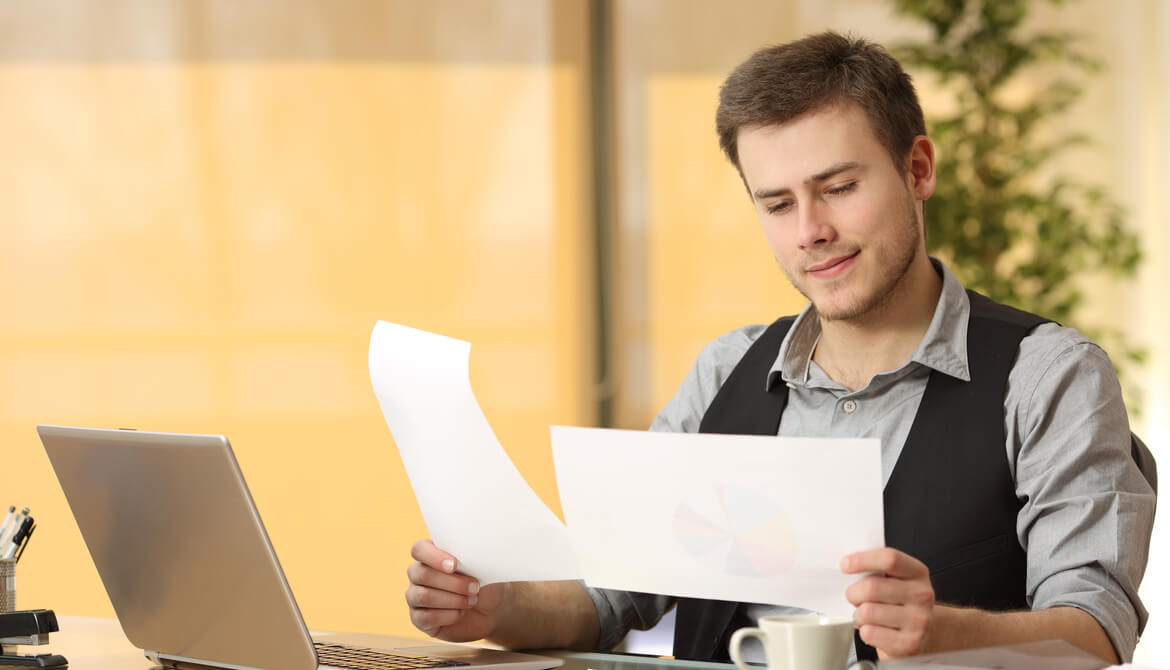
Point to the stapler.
(28, 627)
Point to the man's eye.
(843, 188)
(779, 208)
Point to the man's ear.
(920, 167)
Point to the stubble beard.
(892, 260)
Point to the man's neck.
(852, 351)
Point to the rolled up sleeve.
(1087, 511)
(620, 611)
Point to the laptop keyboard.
(364, 658)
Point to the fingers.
(423, 575)
(422, 596)
(879, 589)
(437, 596)
(894, 601)
(891, 642)
(895, 630)
(890, 562)
(431, 621)
(425, 552)
(908, 621)
(435, 569)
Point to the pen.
(24, 543)
(11, 529)
(18, 538)
(8, 517)
(7, 521)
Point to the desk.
(595, 661)
(92, 644)
(98, 644)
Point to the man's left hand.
(895, 602)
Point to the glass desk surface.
(614, 661)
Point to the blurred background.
(206, 205)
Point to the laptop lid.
(180, 547)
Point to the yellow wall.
(203, 244)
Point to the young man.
(1014, 510)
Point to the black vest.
(950, 501)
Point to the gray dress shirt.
(1087, 512)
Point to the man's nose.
(815, 227)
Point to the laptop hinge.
(185, 663)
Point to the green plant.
(1005, 218)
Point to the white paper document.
(1042, 655)
(755, 519)
(473, 499)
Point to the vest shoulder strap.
(742, 406)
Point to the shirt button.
(849, 406)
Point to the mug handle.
(737, 639)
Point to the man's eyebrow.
(827, 173)
(771, 193)
(832, 171)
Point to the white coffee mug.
(802, 642)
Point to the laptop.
(190, 571)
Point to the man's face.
(841, 219)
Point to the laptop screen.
(180, 548)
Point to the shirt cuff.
(1096, 594)
(619, 611)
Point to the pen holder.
(7, 594)
(7, 586)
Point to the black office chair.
(1145, 460)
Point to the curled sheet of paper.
(1042, 655)
(475, 502)
(745, 518)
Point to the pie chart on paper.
(736, 530)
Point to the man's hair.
(781, 83)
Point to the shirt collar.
(943, 347)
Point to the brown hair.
(781, 83)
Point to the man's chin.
(840, 308)
(834, 303)
(834, 314)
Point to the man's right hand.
(445, 604)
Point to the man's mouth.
(831, 267)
